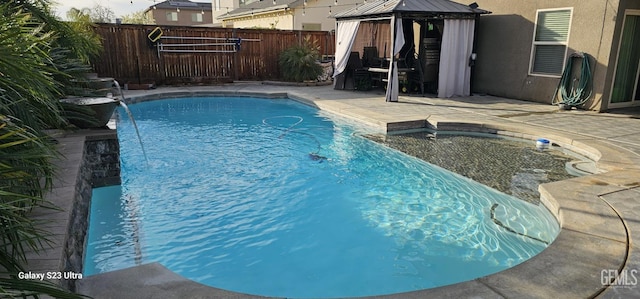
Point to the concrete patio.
(598, 213)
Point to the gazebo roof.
(415, 8)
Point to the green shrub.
(299, 63)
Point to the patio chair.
(353, 70)
(370, 57)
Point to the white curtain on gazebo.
(457, 44)
(345, 36)
(397, 42)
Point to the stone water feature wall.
(100, 166)
(102, 157)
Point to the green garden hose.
(571, 94)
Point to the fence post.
(161, 65)
(236, 59)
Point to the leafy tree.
(102, 14)
(138, 17)
(96, 14)
(79, 15)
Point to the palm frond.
(38, 53)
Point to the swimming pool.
(271, 197)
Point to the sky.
(119, 7)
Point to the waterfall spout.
(115, 82)
(133, 121)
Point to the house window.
(172, 16)
(550, 39)
(247, 2)
(196, 17)
(311, 26)
(216, 4)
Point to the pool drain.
(511, 230)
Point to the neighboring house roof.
(182, 4)
(409, 7)
(261, 6)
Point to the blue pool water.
(271, 197)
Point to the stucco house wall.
(317, 12)
(314, 16)
(221, 7)
(505, 37)
(273, 20)
(158, 16)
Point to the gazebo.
(445, 40)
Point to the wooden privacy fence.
(196, 54)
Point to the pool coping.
(595, 235)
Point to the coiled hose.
(572, 95)
(315, 156)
